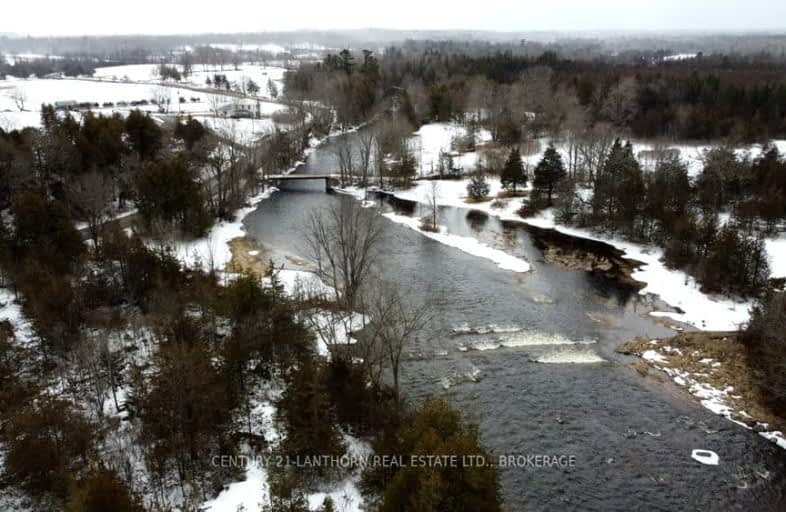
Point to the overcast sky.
(75, 17)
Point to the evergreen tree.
(478, 187)
(619, 192)
(167, 190)
(251, 87)
(436, 428)
(549, 171)
(765, 340)
(668, 193)
(144, 135)
(310, 423)
(513, 174)
(272, 89)
(191, 131)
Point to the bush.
(478, 188)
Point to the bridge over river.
(303, 181)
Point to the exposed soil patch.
(248, 256)
(574, 253)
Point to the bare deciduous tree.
(92, 195)
(344, 241)
(396, 322)
(20, 98)
(162, 97)
(346, 164)
(366, 148)
(429, 223)
(620, 106)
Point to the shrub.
(478, 188)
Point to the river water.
(529, 357)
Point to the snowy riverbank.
(675, 287)
(712, 368)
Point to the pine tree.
(478, 188)
(549, 171)
(619, 189)
(305, 406)
(436, 428)
(513, 173)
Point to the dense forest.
(128, 345)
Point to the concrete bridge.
(302, 181)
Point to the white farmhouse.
(240, 108)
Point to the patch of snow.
(654, 356)
(466, 244)
(11, 311)
(776, 437)
(345, 495)
(776, 249)
(212, 250)
(680, 56)
(303, 281)
(250, 495)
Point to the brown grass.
(507, 194)
(721, 347)
(642, 367)
(484, 199)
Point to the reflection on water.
(476, 219)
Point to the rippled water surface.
(530, 358)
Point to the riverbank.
(681, 296)
(713, 368)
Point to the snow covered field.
(37, 92)
(244, 131)
(431, 139)
(236, 77)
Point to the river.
(529, 357)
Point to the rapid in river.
(529, 357)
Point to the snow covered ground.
(678, 289)
(11, 311)
(236, 77)
(433, 138)
(464, 243)
(244, 131)
(212, 251)
(48, 91)
(776, 249)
